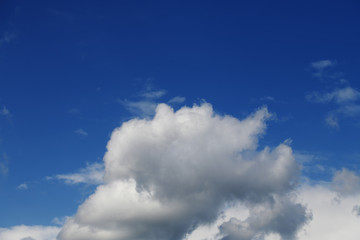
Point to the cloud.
(5, 112)
(339, 96)
(4, 168)
(166, 176)
(23, 232)
(176, 100)
(320, 67)
(147, 101)
(91, 174)
(153, 94)
(346, 100)
(60, 220)
(22, 186)
(282, 217)
(139, 108)
(145, 107)
(346, 183)
(81, 132)
(6, 38)
(332, 218)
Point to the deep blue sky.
(70, 65)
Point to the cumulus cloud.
(23, 232)
(346, 182)
(91, 174)
(332, 218)
(166, 176)
(282, 217)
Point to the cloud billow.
(167, 176)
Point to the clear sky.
(73, 71)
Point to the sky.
(179, 120)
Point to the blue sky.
(73, 71)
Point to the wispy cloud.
(4, 165)
(344, 97)
(320, 67)
(139, 108)
(81, 132)
(346, 100)
(5, 112)
(147, 100)
(22, 186)
(153, 94)
(91, 174)
(6, 38)
(177, 100)
(339, 96)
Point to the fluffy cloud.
(333, 216)
(346, 183)
(23, 232)
(167, 176)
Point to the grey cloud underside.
(280, 216)
(166, 176)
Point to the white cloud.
(320, 67)
(322, 64)
(60, 220)
(346, 100)
(346, 183)
(177, 99)
(23, 232)
(22, 186)
(339, 96)
(91, 174)
(81, 132)
(139, 108)
(333, 219)
(153, 94)
(166, 176)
